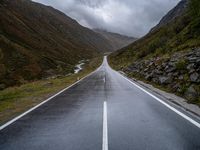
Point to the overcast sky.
(128, 17)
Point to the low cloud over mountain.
(129, 17)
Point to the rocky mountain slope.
(38, 41)
(177, 11)
(117, 40)
(168, 57)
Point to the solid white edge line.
(164, 103)
(45, 101)
(105, 127)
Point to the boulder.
(198, 52)
(190, 67)
(148, 77)
(155, 80)
(194, 77)
(198, 62)
(191, 71)
(150, 64)
(175, 74)
(176, 87)
(165, 80)
(164, 64)
(170, 69)
(158, 72)
(146, 69)
(191, 93)
(192, 59)
(181, 77)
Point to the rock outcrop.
(180, 73)
(169, 55)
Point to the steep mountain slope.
(169, 56)
(117, 40)
(38, 41)
(177, 11)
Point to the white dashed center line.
(105, 127)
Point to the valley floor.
(15, 100)
(104, 111)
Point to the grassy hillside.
(38, 41)
(168, 57)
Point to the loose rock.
(194, 77)
(191, 93)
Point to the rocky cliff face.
(179, 72)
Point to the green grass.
(15, 100)
(181, 64)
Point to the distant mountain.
(116, 40)
(169, 55)
(177, 11)
(38, 41)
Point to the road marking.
(45, 101)
(105, 127)
(164, 103)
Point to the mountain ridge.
(38, 41)
(175, 12)
(117, 40)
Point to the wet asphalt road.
(73, 120)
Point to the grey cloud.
(129, 17)
(93, 3)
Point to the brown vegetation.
(38, 41)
